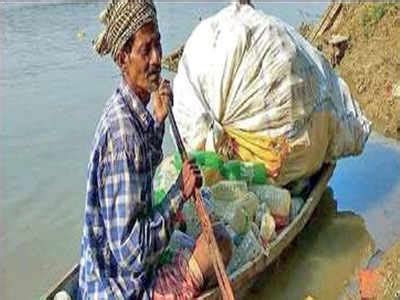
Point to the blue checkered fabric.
(123, 235)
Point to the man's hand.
(191, 178)
(162, 97)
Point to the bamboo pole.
(222, 277)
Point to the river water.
(52, 91)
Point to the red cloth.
(177, 281)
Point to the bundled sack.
(250, 87)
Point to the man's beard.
(153, 79)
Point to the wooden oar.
(222, 277)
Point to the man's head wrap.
(122, 18)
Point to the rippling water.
(53, 90)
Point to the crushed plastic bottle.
(244, 213)
(267, 228)
(165, 176)
(248, 249)
(261, 210)
(229, 190)
(193, 226)
(297, 204)
(278, 201)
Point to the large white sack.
(247, 70)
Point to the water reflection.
(363, 182)
(370, 185)
(322, 259)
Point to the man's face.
(143, 64)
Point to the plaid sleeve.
(135, 239)
(156, 141)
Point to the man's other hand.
(191, 178)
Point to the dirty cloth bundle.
(122, 18)
(251, 79)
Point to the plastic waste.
(211, 176)
(180, 240)
(207, 159)
(255, 173)
(236, 238)
(231, 170)
(261, 210)
(244, 213)
(297, 204)
(227, 190)
(248, 249)
(193, 226)
(251, 172)
(278, 201)
(191, 218)
(166, 175)
(267, 228)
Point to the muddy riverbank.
(371, 59)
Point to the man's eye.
(145, 50)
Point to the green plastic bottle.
(255, 172)
(251, 172)
(207, 159)
(231, 170)
(159, 196)
(177, 161)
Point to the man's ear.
(122, 60)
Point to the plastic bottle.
(278, 201)
(229, 190)
(255, 173)
(244, 213)
(207, 159)
(251, 172)
(159, 196)
(267, 228)
(231, 170)
(297, 204)
(248, 249)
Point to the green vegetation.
(373, 13)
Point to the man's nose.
(155, 58)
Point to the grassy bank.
(371, 62)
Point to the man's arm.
(135, 239)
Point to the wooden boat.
(244, 277)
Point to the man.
(123, 235)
